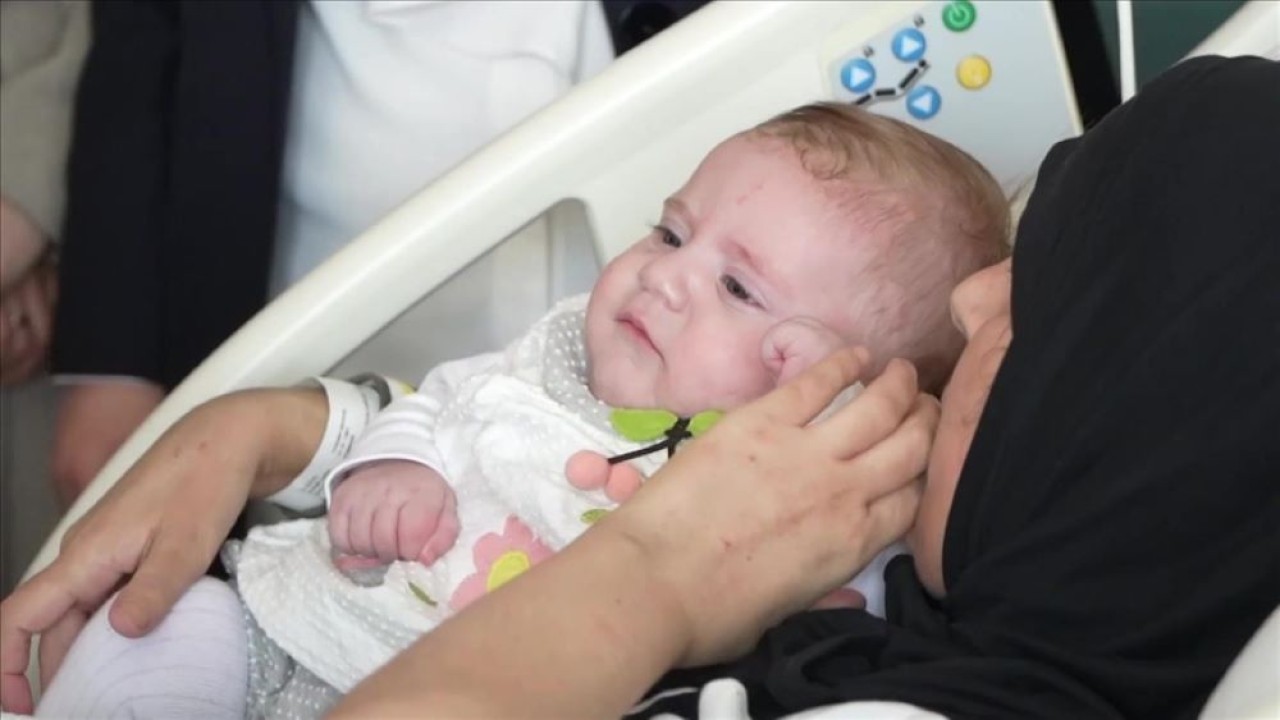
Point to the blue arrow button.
(909, 45)
(858, 75)
(924, 102)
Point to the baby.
(824, 227)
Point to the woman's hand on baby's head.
(393, 510)
(773, 509)
(796, 344)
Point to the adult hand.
(26, 323)
(158, 529)
(93, 421)
(774, 512)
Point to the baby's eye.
(735, 288)
(668, 237)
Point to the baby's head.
(856, 225)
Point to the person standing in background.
(41, 53)
(42, 48)
(223, 150)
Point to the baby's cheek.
(620, 384)
(726, 387)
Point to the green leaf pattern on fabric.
(641, 425)
(703, 421)
(645, 425)
(421, 594)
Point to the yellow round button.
(974, 72)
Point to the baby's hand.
(794, 344)
(393, 510)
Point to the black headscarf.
(1115, 535)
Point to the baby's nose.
(667, 278)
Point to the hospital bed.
(988, 75)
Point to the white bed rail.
(1254, 29)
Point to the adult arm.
(94, 418)
(161, 525)
(765, 509)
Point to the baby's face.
(678, 320)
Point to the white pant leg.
(193, 665)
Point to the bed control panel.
(958, 69)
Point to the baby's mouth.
(635, 328)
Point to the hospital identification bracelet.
(352, 406)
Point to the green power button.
(958, 16)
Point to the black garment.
(1112, 544)
(174, 176)
(173, 183)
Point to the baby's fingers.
(339, 520)
(444, 532)
(360, 524)
(347, 564)
(386, 528)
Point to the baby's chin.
(615, 396)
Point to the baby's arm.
(390, 499)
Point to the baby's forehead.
(874, 207)
(849, 183)
(858, 207)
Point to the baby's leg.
(194, 665)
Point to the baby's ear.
(794, 344)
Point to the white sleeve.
(405, 429)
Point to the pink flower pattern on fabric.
(499, 559)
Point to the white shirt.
(390, 94)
